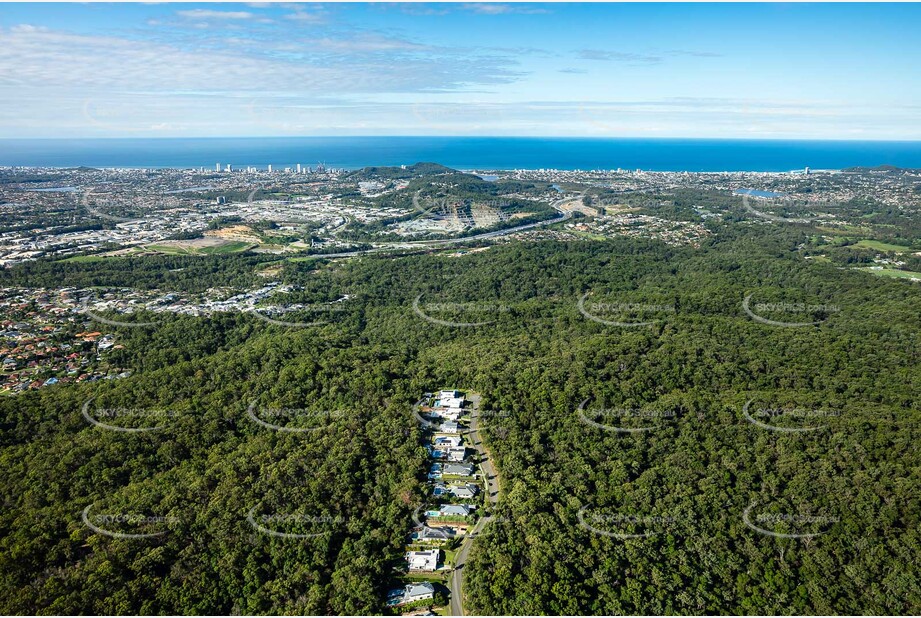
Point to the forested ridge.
(357, 478)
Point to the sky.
(755, 71)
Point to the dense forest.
(674, 499)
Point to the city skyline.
(777, 71)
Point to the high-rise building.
(270, 168)
(229, 168)
(298, 168)
(217, 167)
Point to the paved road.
(456, 583)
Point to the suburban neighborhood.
(454, 505)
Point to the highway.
(456, 582)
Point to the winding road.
(456, 582)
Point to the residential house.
(449, 427)
(456, 453)
(448, 414)
(465, 492)
(457, 469)
(452, 510)
(424, 534)
(423, 560)
(448, 441)
(418, 592)
(450, 402)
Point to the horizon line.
(527, 137)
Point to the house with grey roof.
(465, 492)
(457, 469)
(454, 510)
(424, 534)
(418, 592)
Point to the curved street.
(487, 469)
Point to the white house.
(448, 394)
(456, 453)
(448, 441)
(448, 427)
(450, 402)
(451, 414)
(423, 560)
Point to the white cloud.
(209, 14)
(365, 43)
(304, 16)
(600, 54)
(363, 62)
(25, 28)
(502, 9)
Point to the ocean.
(481, 153)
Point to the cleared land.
(881, 246)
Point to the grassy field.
(843, 229)
(588, 235)
(233, 246)
(170, 249)
(891, 272)
(881, 246)
(84, 258)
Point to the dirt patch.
(235, 232)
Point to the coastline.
(464, 153)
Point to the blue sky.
(835, 71)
